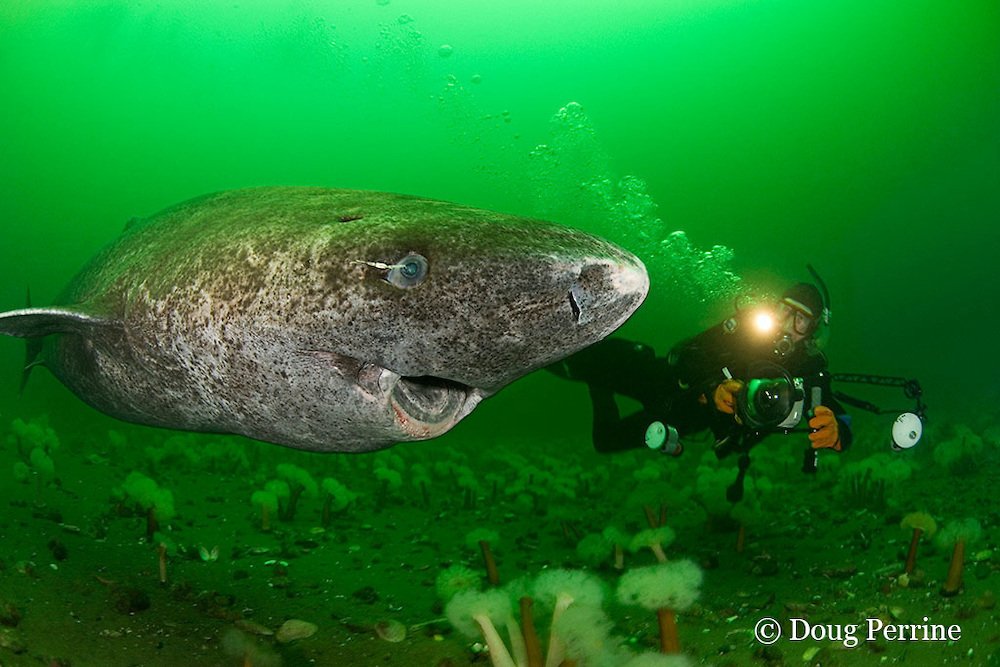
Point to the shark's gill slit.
(574, 306)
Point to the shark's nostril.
(574, 306)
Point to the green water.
(863, 137)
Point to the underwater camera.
(779, 403)
(774, 401)
(771, 403)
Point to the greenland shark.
(321, 319)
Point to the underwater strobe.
(909, 425)
(663, 438)
(906, 431)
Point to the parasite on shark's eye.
(408, 272)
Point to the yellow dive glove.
(725, 396)
(826, 433)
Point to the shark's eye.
(408, 272)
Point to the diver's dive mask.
(799, 324)
(799, 316)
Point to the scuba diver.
(719, 380)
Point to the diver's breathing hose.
(824, 291)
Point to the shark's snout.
(607, 291)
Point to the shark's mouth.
(427, 406)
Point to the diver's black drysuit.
(677, 390)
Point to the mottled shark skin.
(274, 313)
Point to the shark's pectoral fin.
(35, 323)
(38, 322)
(349, 368)
(371, 378)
